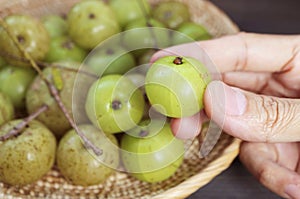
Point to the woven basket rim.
(195, 182)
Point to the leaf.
(57, 79)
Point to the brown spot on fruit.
(21, 39)
(116, 105)
(178, 61)
(92, 16)
(143, 133)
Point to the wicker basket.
(194, 173)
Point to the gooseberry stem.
(116, 105)
(21, 59)
(20, 126)
(54, 92)
(148, 23)
(53, 65)
(92, 75)
(178, 61)
(87, 143)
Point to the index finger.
(243, 52)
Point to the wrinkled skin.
(265, 113)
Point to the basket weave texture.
(194, 173)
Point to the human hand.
(259, 103)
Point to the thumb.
(253, 117)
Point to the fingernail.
(230, 101)
(293, 191)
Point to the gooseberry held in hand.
(176, 85)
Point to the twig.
(148, 23)
(142, 6)
(21, 59)
(20, 126)
(87, 143)
(44, 64)
(54, 65)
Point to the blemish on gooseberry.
(148, 24)
(68, 45)
(143, 133)
(92, 16)
(168, 14)
(178, 61)
(21, 39)
(116, 105)
(109, 51)
(63, 15)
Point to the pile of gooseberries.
(72, 97)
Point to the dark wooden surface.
(234, 183)
(261, 16)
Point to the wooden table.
(234, 183)
(261, 16)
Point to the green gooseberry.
(171, 13)
(130, 10)
(176, 85)
(2, 62)
(55, 25)
(150, 152)
(38, 94)
(114, 104)
(15, 82)
(30, 34)
(110, 60)
(27, 157)
(6, 109)
(190, 32)
(64, 49)
(91, 22)
(141, 34)
(80, 165)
